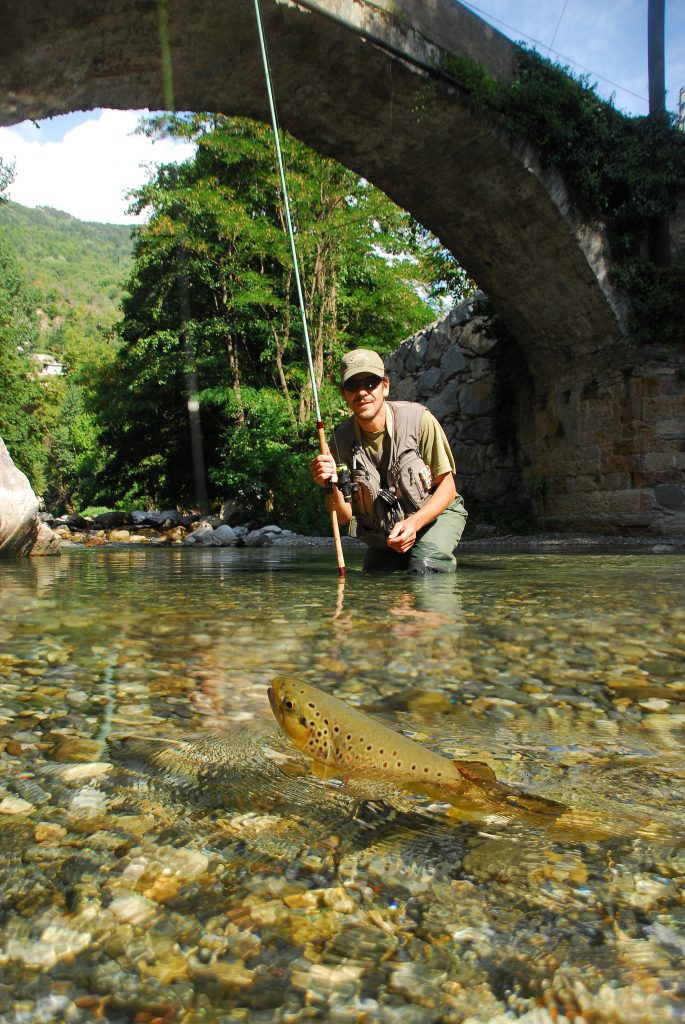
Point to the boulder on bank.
(21, 531)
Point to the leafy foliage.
(72, 278)
(7, 174)
(212, 315)
(21, 394)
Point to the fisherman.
(401, 471)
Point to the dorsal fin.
(475, 771)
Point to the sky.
(85, 163)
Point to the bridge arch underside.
(409, 132)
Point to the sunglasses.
(368, 384)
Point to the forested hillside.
(75, 267)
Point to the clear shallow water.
(166, 856)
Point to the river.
(166, 856)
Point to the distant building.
(48, 365)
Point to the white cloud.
(90, 171)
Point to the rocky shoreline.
(172, 528)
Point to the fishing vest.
(379, 504)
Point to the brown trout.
(342, 740)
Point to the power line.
(563, 11)
(556, 53)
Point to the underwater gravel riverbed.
(166, 856)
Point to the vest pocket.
(411, 477)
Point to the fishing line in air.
(286, 205)
(323, 447)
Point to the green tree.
(212, 316)
(20, 423)
(6, 178)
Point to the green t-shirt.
(433, 445)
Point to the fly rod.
(323, 447)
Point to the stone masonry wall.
(602, 452)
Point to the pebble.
(132, 909)
(83, 772)
(56, 943)
(655, 704)
(46, 832)
(15, 805)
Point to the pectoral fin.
(475, 771)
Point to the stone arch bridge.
(360, 80)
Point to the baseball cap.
(360, 360)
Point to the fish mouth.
(275, 706)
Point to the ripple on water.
(165, 855)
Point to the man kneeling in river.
(403, 494)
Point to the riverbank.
(171, 528)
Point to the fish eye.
(288, 704)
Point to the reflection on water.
(165, 855)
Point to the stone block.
(673, 525)
(453, 361)
(427, 382)
(476, 338)
(478, 397)
(671, 429)
(462, 313)
(625, 502)
(439, 340)
(658, 462)
(670, 496)
(417, 353)
(404, 390)
(471, 458)
(481, 430)
(445, 403)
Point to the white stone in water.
(53, 1008)
(655, 704)
(185, 864)
(88, 802)
(56, 943)
(77, 697)
(354, 1011)
(15, 805)
(90, 770)
(135, 869)
(333, 977)
(132, 909)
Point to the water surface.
(166, 856)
